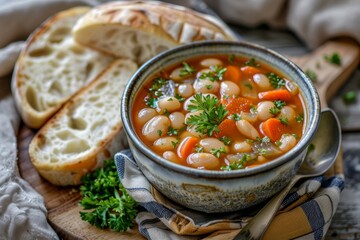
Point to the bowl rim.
(297, 150)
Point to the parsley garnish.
(208, 87)
(231, 58)
(333, 58)
(278, 143)
(275, 80)
(237, 164)
(186, 70)
(226, 140)
(199, 149)
(235, 117)
(212, 113)
(179, 97)
(215, 74)
(349, 97)
(274, 110)
(151, 102)
(251, 62)
(159, 132)
(299, 118)
(249, 86)
(173, 131)
(218, 152)
(284, 120)
(166, 112)
(174, 143)
(156, 86)
(279, 104)
(112, 206)
(265, 139)
(311, 74)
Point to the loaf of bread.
(53, 67)
(139, 30)
(85, 131)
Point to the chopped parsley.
(226, 140)
(235, 117)
(159, 132)
(278, 143)
(156, 86)
(333, 58)
(299, 118)
(187, 70)
(174, 143)
(151, 102)
(218, 152)
(284, 120)
(208, 87)
(275, 80)
(265, 139)
(279, 104)
(249, 86)
(251, 62)
(174, 132)
(212, 113)
(311, 74)
(349, 97)
(274, 110)
(215, 74)
(237, 164)
(111, 206)
(231, 58)
(199, 149)
(179, 97)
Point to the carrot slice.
(227, 128)
(278, 94)
(250, 70)
(187, 146)
(232, 73)
(236, 105)
(273, 128)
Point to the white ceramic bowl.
(220, 191)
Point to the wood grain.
(63, 202)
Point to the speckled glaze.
(220, 191)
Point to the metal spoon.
(327, 141)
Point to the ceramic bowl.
(220, 191)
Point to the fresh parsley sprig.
(275, 80)
(112, 207)
(237, 164)
(215, 74)
(187, 70)
(212, 113)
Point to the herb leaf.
(215, 74)
(186, 70)
(275, 80)
(349, 97)
(212, 113)
(238, 164)
(218, 152)
(312, 75)
(333, 58)
(112, 207)
(226, 140)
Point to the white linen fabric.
(313, 21)
(22, 211)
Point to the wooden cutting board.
(63, 202)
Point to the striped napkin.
(305, 213)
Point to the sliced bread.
(53, 67)
(85, 131)
(139, 30)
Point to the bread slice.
(53, 67)
(139, 30)
(85, 131)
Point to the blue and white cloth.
(305, 213)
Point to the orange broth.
(239, 150)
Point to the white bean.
(289, 113)
(185, 90)
(246, 129)
(188, 101)
(206, 86)
(145, 115)
(192, 131)
(203, 161)
(169, 103)
(175, 74)
(242, 147)
(156, 127)
(229, 88)
(263, 109)
(171, 156)
(262, 81)
(287, 142)
(212, 143)
(165, 143)
(208, 62)
(250, 117)
(177, 120)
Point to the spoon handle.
(259, 223)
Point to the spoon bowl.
(322, 153)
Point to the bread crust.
(32, 117)
(174, 24)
